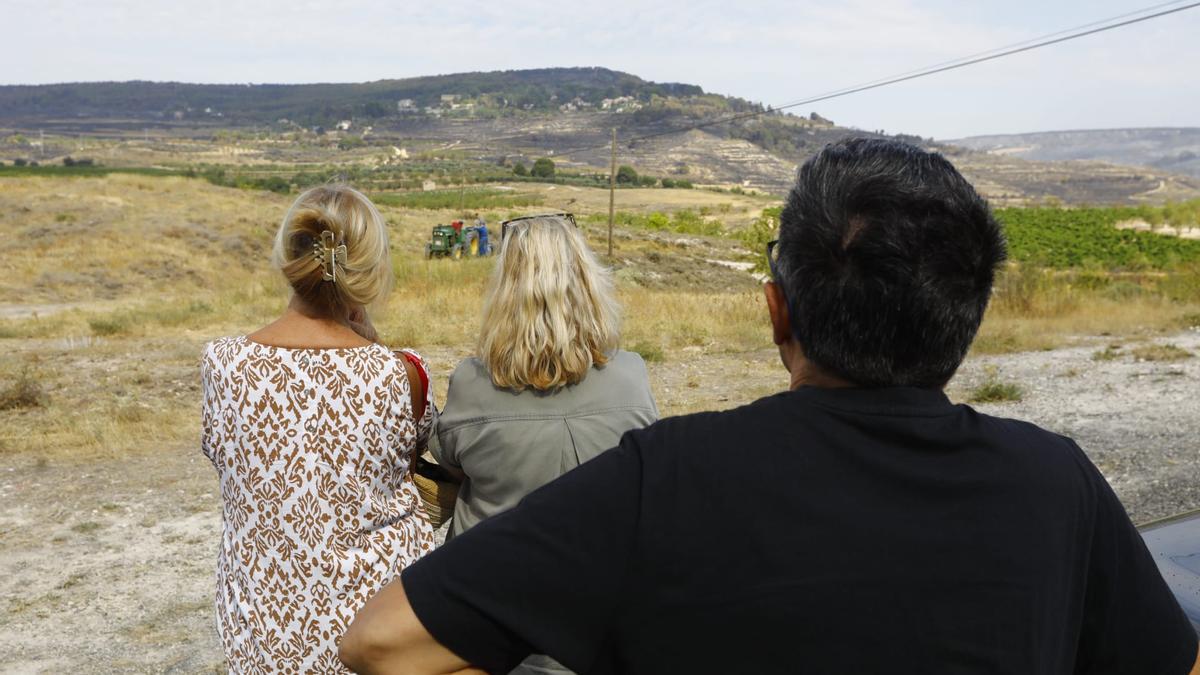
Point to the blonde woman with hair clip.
(312, 425)
(548, 389)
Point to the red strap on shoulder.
(421, 374)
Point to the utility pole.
(612, 188)
(41, 144)
(462, 190)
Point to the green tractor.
(455, 241)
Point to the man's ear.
(781, 325)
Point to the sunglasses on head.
(506, 225)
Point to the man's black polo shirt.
(815, 531)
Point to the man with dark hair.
(857, 523)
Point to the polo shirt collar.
(901, 401)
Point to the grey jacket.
(511, 443)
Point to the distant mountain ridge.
(508, 117)
(511, 91)
(1174, 149)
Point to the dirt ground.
(108, 564)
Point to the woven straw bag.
(437, 489)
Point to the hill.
(1169, 149)
(500, 119)
(493, 93)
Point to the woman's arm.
(416, 387)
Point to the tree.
(375, 109)
(19, 162)
(668, 182)
(627, 175)
(520, 170)
(543, 168)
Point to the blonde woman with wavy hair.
(549, 315)
(312, 424)
(548, 389)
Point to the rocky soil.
(107, 565)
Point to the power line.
(1013, 45)
(1057, 37)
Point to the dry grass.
(1034, 310)
(26, 391)
(151, 268)
(994, 391)
(1167, 353)
(109, 398)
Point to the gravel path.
(1138, 420)
(107, 566)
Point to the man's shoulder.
(682, 432)
(1035, 443)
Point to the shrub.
(24, 392)
(994, 391)
(543, 168)
(109, 325)
(1161, 353)
(274, 184)
(658, 221)
(668, 182)
(520, 170)
(755, 237)
(626, 175)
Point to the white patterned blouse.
(312, 448)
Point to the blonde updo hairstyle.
(549, 314)
(360, 277)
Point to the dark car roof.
(1175, 543)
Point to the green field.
(1088, 237)
(468, 199)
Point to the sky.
(773, 51)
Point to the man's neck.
(805, 373)
(808, 378)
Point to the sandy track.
(107, 566)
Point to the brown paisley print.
(312, 448)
